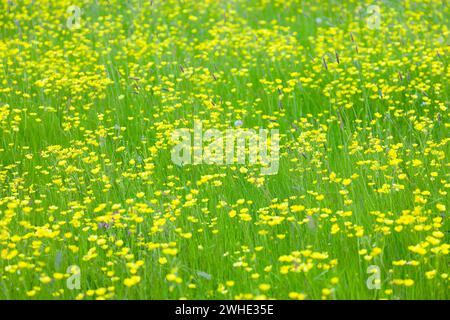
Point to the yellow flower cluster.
(86, 178)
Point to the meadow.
(93, 207)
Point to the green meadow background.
(92, 207)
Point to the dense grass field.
(93, 207)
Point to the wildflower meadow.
(212, 149)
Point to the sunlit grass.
(87, 180)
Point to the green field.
(92, 205)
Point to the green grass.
(86, 117)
